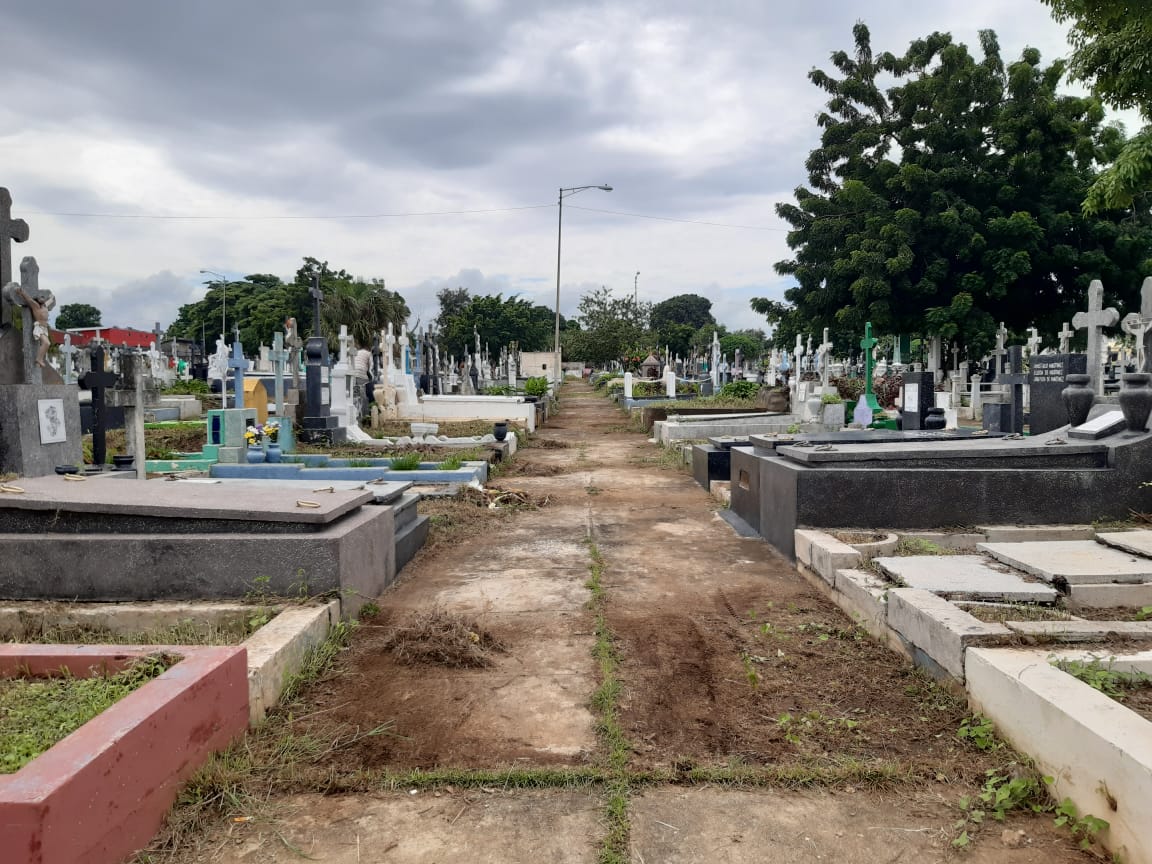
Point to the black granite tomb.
(1046, 381)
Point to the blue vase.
(273, 452)
(255, 455)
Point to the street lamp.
(223, 302)
(565, 193)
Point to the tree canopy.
(1112, 41)
(611, 328)
(77, 315)
(951, 200)
(676, 320)
(498, 320)
(261, 302)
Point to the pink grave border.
(102, 793)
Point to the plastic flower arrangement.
(272, 431)
(253, 434)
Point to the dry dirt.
(726, 656)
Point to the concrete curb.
(1098, 752)
(277, 650)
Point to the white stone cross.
(1000, 350)
(345, 345)
(68, 350)
(1066, 335)
(1035, 340)
(1095, 319)
(824, 349)
(798, 352)
(1140, 326)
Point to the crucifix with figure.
(867, 344)
(1139, 325)
(1095, 320)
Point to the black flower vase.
(1136, 400)
(935, 419)
(1078, 398)
(500, 430)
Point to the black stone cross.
(10, 230)
(98, 380)
(1015, 378)
(317, 295)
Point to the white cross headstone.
(1001, 350)
(670, 382)
(279, 357)
(824, 349)
(1035, 340)
(1139, 325)
(1066, 334)
(1094, 320)
(798, 353)
(68, 350)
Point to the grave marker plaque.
(1046, 383)
(919, 396)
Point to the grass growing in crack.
(606, 705)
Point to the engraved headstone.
(1046, 383)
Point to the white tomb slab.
(1106, 424)
(1135, 542)
(965, 577)
(1077, 562)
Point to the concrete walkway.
(727, 660)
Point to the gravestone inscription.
(1046, 383)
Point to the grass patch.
(606, 706)
(407, 462)
(999, 613)
(919, 546)
(36, 713)
(188, 632)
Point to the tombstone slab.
(965, 577)
(1108, 423)
(1075, 562)
(1135, 542)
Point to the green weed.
(407, 462)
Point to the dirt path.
(666, 689)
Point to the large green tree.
(611, 328)
(77, 315)
(951, 200)
(676, 320)
(499, 321)
(1113, 52)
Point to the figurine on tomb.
(294, 343)
(39, 307)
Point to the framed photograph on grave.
(51, 414)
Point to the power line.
(290, 218)
(682, 221)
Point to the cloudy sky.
(143, 141)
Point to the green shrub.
(407, 462)
(647, 389)
(849, 389)
(499, 390)
(739, 390)
(831, 399)
(536, 386)
(194, 387)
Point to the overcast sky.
(252, 115)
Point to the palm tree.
(365, 308)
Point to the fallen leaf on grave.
(307, 504)
(241, 818)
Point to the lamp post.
(565, 193)
(223, 302)
(635, 283)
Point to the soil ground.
(734, 685)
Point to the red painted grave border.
(102, 793)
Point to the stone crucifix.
(1066, 334)
(1035, 340)
(11, 230)
(238, 364)
(279, 356)
(1139, 325)
(1095, 320)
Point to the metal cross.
(317, 295)
(867, 344)
(98, 380)
(1094, 320)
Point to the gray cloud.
(292, 108)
